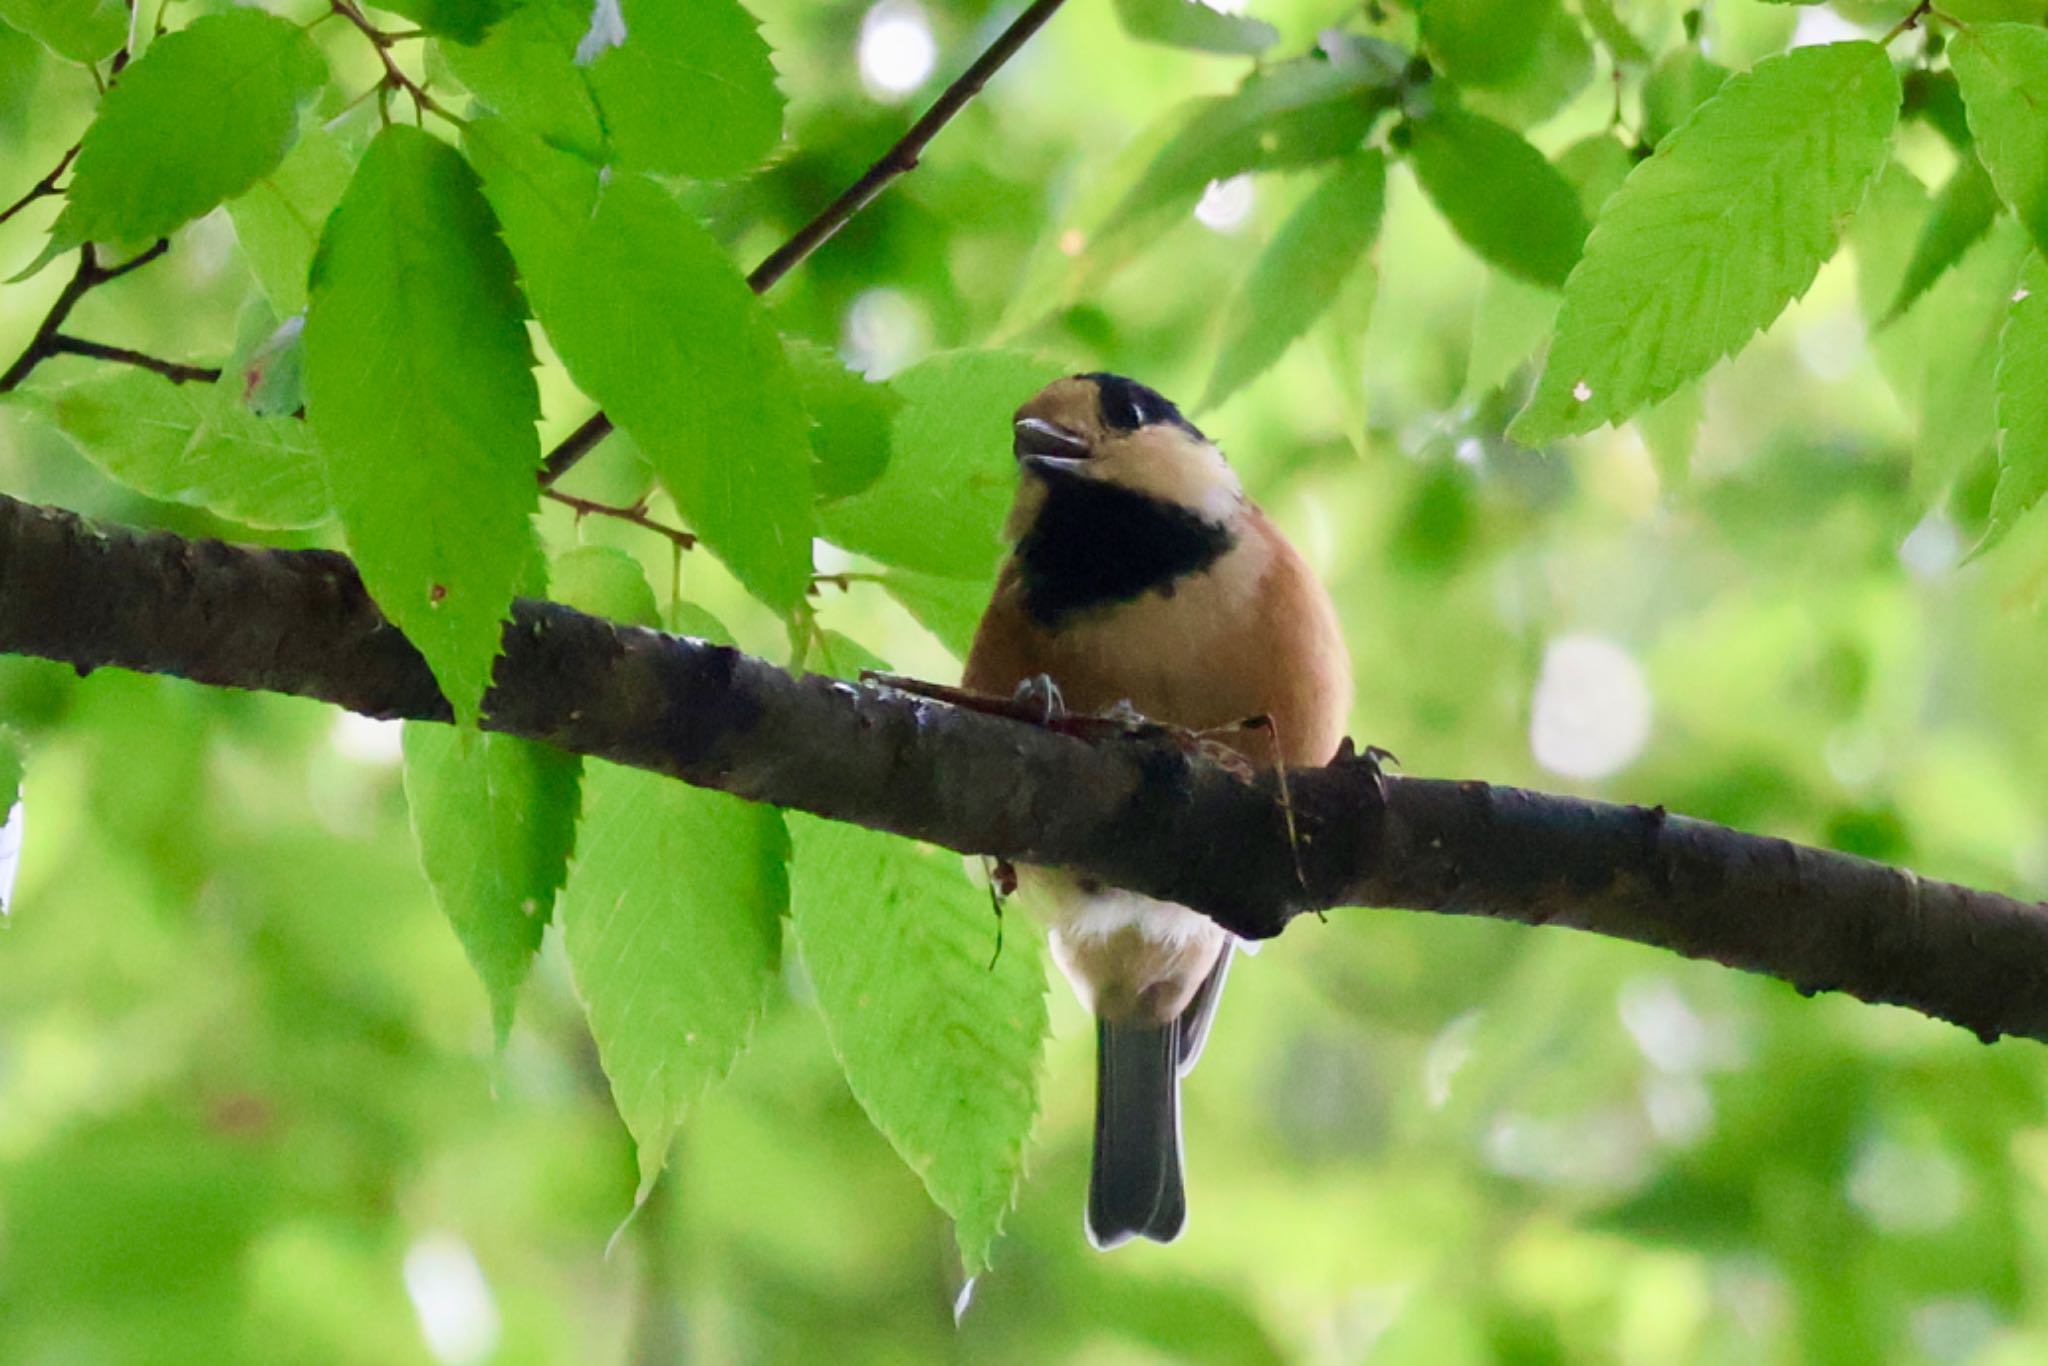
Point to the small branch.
(637, 515)
(842, 581)
(394, 75)
(175, 371)
(89, 276)
(1911, 21)
(899, 160)
(1141, 813)
(43, 188)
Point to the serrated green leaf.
(200, 117)
(525, 69)
(278, 219)
(420, 388)
(940, 1045)
(672, 920)
(494, 817)
(83, 30)
(1711, 237)
(2003, 69)
(949, 608)
(1499, 194)
(851, 419)
(1962, 214)
(1301, 271)
(1291, 114)
(2022, 384)
(465, 21)
(939, 506)
(194, 443)
(1946, 351)
(1682, 82)
(1617, 37)
(607, 582)
(1482, 42)
(690, 91)
(653, 321)
(1191, 24)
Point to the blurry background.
(248, 1105)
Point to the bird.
(1140, 576)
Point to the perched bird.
(1140, 572)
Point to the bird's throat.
(1095, 544)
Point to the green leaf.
(1962, 214)
(465, 21)
(949, 608)
(1595, 166)
(1712, 236)
(653, 321)
(1617, 37)
(83, 30)
(193, 443)
(494, 816)
(1301, 271)
(278, 220)
(11, 769)
(202, 116)
(525, 69)
(607, 582)
(1191, 24)
(1483, 42)
(1946, 351)
(1671, 432)
(851, 418)
(690, 91)
(420, 388)
(1511, 321)
(2022, 383)
(1682, 82)
(1559, 67)
(940, 1045)
(841, 656)
(1291, 114)
(672, 919)
(2003, 69)
(1936, 99)
(1499, 194)
(939, 506)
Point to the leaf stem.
(899, 160)
(394, 76)
(1911, 21)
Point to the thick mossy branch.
(1137, 812)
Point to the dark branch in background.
(899, 160)
(89, 276)
(44, 188)
(1135, 812)
(175, 371)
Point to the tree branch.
(1134, 812)
(43, 188)
(177, 372)
(89, 276)
(899, 160)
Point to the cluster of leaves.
(573, 175)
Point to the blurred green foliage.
(250, 1102)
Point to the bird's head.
(1102, 430)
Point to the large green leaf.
(465, 21)
(939, 505)
(690, 91)
(1483, 42)
(525, 69)
(1499, 194)
(653, 321)
(494, 816)
(1292, 114)
(2004, 73)
(205, 113)
(1955, 356)
(1191, 24)
(1712, 236)
(672, 919)
(1301, 272)
(1962, 214)
(193, 443)
(420, 387)
(278, 219)
(83, 30)
(2022, 381)
(940, 1044)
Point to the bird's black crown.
(1128, 405)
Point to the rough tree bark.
(1135, 811)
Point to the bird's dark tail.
(1136, 1186)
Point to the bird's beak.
(1046, 446)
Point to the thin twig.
(637, 515)
(394, 75)
(1920, 11)
(899, 160)
(43, 188)
(177, 372)
(89, 276)
(844, 581)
